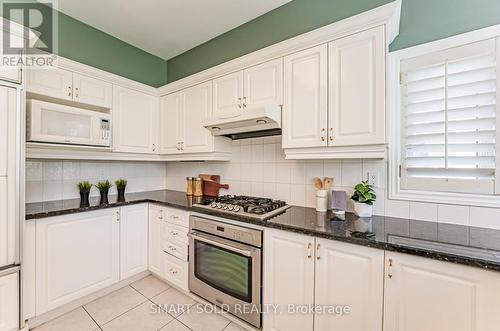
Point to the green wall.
(82, 43)
(421, 21)
(85, 44)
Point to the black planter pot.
(121, 195)
(104, 197)
(84, 199)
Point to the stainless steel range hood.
(255, 122)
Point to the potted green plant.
(103, 187)
(363, 198)
(84, 188)
(121, 184)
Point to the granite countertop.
(478, 247)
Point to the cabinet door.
(228, 94)
(170, 123)
(305, 98)
(424, 294)
(288, 279)
(76, 255)
(9, 302)
(357, 89)
(353, 276)
(263, 84)
(197, 107)
(92, 91)
(154, 242)
(55, 82)
(134, 121)
(133, 240)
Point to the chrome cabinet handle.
(69, 91)
(172, 248)
(174, 217)
(317, 252)
(331, 134)
(244, 102)
(309, 252)
(323, 131)
(239, 103)
(389, 274)
(76, 93)
(173, 272)
(161, 214)
(173, 233)
(118, 216)
(154, 147)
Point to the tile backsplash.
(258, 167)
(48, 180)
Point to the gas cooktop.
(258, 208)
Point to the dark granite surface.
(466, 245)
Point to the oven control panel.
(229, 231)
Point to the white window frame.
(394, 123)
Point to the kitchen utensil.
(318, 184)
(211, 188)
(327, 183)
(190, 185)
(215, 178)
(198, 187)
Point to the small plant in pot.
(84, 188)
(363, 198)
(121, 184)
(103, 188)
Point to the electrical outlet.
(373, 178)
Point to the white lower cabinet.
(351, 276)
(288, 278)
(154, 243)
(423, 294)
(9, 302)
(133, 240)
(75, 255)
(168, 244)
(302, 270)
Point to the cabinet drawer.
(178, 217)
(176, 271)
(157, 213)
(178, 250)
(176, 234)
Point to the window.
(448, 120)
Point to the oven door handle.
(197, 236)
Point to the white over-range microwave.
(60, 124)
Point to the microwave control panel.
(105, 136)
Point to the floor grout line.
(91, 317)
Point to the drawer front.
(176, 271)
(176, 234)
(157, 213)
(178, 250)
(178, 217)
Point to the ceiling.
(166, 28)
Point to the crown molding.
(388, 14)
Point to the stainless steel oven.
(225, 267)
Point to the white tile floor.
(133, 308)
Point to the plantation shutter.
(449, 105)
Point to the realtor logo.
(29, 35)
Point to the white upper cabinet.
(357, 89)
(263, 84)
(92, 91)
(135, 120)
(133, 240)
(305, 98)
(76, 255)
(197, 107)
(350, 275)
(54, 82)
(66, 85)
(170, 123)
(288, 278)
(423, 294)
(228, 95)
